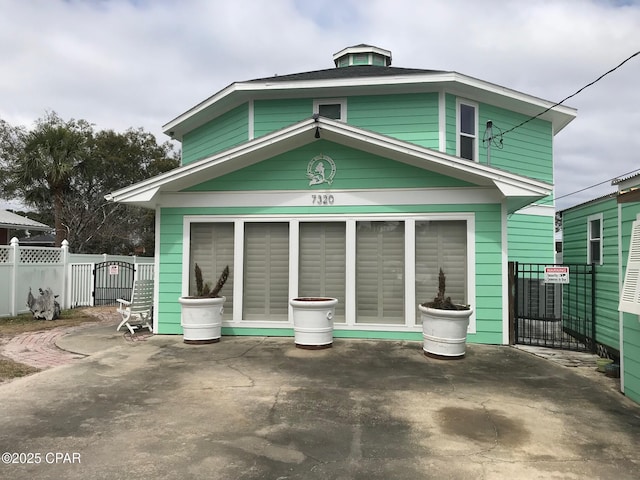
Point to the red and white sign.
(114, 269)
(556, 274)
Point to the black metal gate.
(112, 280)
(555, 315)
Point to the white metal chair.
(140, 307)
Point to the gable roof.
(18, 222)
(364, 80)
(518, 190)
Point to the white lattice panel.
(5, 254)
(45, 256)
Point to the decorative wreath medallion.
(321, 169)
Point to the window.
(441, 245)
(322, 261)
(335, 109)
(380, 272)
(379, 268)
(594, 239)
(266, 271)
(467, 121)
(212, 250)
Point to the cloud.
(121, 64)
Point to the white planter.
(313, 321)
(201, 319)
(444, 331)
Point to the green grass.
(26, 323)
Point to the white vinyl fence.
(69, 275)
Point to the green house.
(600, 232)
(358, 182)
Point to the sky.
(140, 63)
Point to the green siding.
(450, 124)
(272, 115)
(488, 301)
(527, 150)
(226, 131)
(531, 238)
(574, 250)
(408, 117)
(355, 169)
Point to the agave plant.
(204, 289)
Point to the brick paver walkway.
(39, 350)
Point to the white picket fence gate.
(69, 275)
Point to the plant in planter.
(444, 324)
(202, 313)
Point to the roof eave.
(240, 92)
(148, 192)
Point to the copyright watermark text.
(36, 458)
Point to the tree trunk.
(58, 203)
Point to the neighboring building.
(10, 222)
(42, 240)
(358, 182)
(599, 232)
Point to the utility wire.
(591, 186)
(574, 94)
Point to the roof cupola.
(362, 55)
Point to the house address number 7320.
(322, 199)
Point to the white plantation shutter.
(322, 262)
(212, 250)
(380, 272)
(266, 271)
(630, 295)
(441, 244)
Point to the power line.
(591, 186)
(573, 94)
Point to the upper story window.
(594, 239)
(467, 121)
(333, 108)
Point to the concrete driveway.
(258, 408)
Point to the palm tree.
(54, 151)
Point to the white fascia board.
(143, 197)
(184, 176)
(511, 189)
(453, 82)
(510, 184)
(546, 210)
(342, 198)
(361, 49)
(299, 134)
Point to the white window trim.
(476, 120)
(332, 101)
(590, 219)
(350, 272)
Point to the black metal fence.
(112, 280)
(551, 308)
